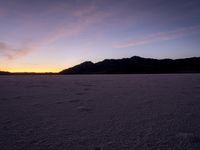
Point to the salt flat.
(102, 112)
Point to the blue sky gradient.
(50, 35)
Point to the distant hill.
(4, 73)
(136, 65)
(26, 73)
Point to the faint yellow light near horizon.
(36, 70)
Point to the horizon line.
(56, 72)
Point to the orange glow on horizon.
(33, 70)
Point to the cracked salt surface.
(100, 112)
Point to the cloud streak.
(90, 16)
(83, 22)
(160, 36)
(10, 53)
(85, 18)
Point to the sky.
(52, 35)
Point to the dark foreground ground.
(102, 112)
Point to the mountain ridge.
(137, 64)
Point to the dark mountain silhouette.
(137, 65)
(4, 73)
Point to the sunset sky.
(51, 35)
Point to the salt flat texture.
(100, 112)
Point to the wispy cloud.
(85, 18)
(10, 53)
(160, 36)
(81, 24)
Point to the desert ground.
(100, 112)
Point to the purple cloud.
(160, 36)
(10, 53)
(85, 18)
